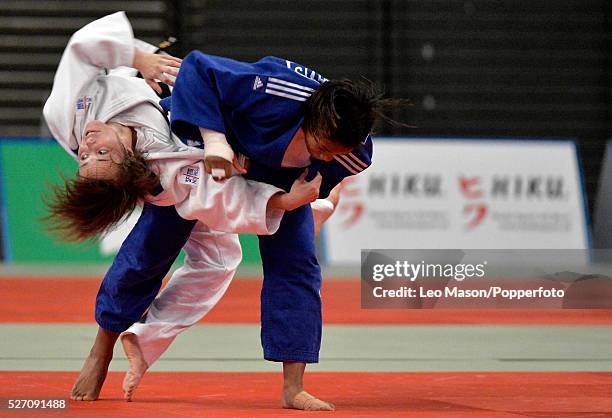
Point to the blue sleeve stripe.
(285, 95)
(287, 83)
(357, 160)
(343, 164)
(288, 90)
(350, 162)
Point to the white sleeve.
(323, 207)
(236, 205)
(128, 71)
(105, 43)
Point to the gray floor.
(345, 348)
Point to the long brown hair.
(83, 208)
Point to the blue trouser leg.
(290, 297)
(136, 275)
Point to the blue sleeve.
(345, 165)
(205, 88)
(248, 102)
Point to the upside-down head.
(85, 207)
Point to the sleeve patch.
(190, 175)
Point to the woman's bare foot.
(294, 396)
(138, 365)
(305, 401)
(89, 383)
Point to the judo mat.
(412, 363)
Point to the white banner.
(602, 229)
(471, 194)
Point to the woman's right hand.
(303, 192)
(156, 67)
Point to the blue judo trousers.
(259, 107)
(291, 322)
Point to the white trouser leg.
(211, 260)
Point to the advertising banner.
(436, 194)
(602, 222)
(28, 168)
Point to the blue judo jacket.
(259, 107)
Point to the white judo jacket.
(83, 91)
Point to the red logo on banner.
(479, 212)
(468, 187)
(476, 210)
(353, 208)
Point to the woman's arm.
(302, 193)
(104, 43)
(236, 205)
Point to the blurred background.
(474, 69)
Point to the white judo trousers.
(211, 261)
(212, 258)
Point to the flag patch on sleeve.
(83, 103)
(190, 175)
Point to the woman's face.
(103, 147)
(323, 148)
